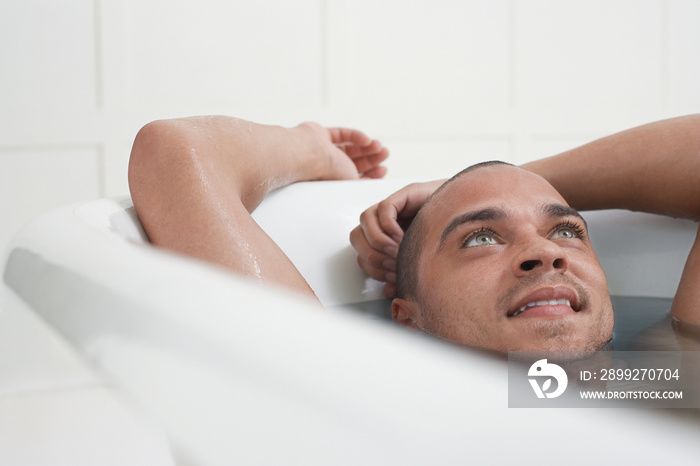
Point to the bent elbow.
(156, 147)
(149, 145)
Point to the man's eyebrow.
(559, 210)
(494, 213)
(489, 213)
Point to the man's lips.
(547, 301)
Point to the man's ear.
(405, 313)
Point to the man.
(501, 257)
(502, 263)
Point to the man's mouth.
(548, 302)
(551, 302)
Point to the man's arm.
(195, 181)
(652, 168)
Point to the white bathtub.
(239, 374)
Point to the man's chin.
(563, 345)
(561, 335)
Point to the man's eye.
(566, 232)
(483, 238)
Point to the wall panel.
(441, 159)
(588, 63)
(684, 56)
(48, 56)
(422, 68)
(34, 180)
(217, 51)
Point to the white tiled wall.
(48, 56)
(588, 54)
(683, 69)
(443, 83)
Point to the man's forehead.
(502, 188)
(489, 184)
(495, 173)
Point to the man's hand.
(381, 229)
(349, 153)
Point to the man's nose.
(540, 254)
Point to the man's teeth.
(551, 302)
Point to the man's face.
(507, 266)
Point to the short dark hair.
(412, 243)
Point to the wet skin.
(507, 266)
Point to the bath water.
(641, 323)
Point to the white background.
(443, 83)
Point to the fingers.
(380, 228)
(390, 290)
(376, 263)
(373, 149)
(379, 234)
(377, 239)
(388, 212)
(349, 136)
(367, 154)
(367, 165)
(375, 173)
